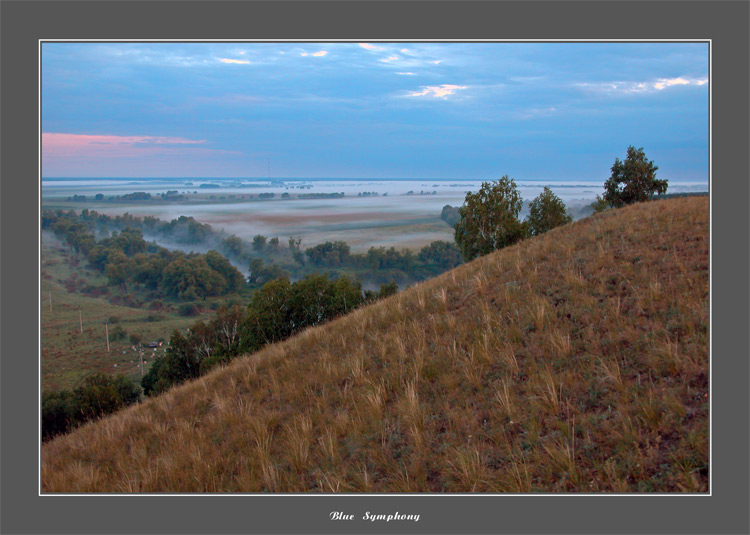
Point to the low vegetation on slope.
(576, 361)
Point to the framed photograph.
(379, 277)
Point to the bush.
(118, 333)
(57, 413)
(188, 309)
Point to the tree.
(633, 180)
(450, 215)
(259, 242)
(232, 246)
(546, 212)
(489, 219)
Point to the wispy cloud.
(315, 54)
(368, 46)
(234, 61)
(405, 73)
(436, 91)
(629, 87)
(389, 59)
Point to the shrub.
(118, 333)
(99, 395)
(188, 309)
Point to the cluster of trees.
(126, 258)
(172, 195)
(489, 221)
(100, 394)
(278, 310)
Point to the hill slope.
(574, 361)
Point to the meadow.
(574, 361)
(73, 332)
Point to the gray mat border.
(22, 510)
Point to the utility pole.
(80, 321)
(50, 300)
(106, 330)
(140, 354)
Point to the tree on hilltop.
(633, 180)
(489, 219)
(546, 212)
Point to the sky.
(533, 111)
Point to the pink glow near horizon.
(66, 154)
(62, 145)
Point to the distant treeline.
(135, 196)
(376, 266)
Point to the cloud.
(622, 87)
(390, 59)
(661, 83)
(368, 46)
(436, 91)
(236, 61)
(316, 54)
(405, 73)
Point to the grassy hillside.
(575, 361)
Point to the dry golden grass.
(576, 361)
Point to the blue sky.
(534, 111)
